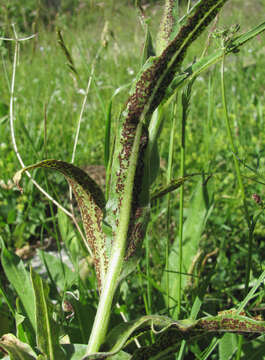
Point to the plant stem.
(239, 179)
(117, 255)
(229, 134)
(169, 175)
(181, 203)
(242, 195)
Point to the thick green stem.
(117, 256)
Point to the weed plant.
(202, 250)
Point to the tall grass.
(207, 214)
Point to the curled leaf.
(16, 348)
(91, 203)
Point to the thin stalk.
(169, 176)
(117, 255)
(230, 136)
(242, 195)
(141, 276)
(239, 179)
(149, 285)
(12, 128)
(181, 206)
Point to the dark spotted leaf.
(91, 203)
(170, 333)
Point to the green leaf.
(60, 273)
(70, 238)
(24, 330)
(121, 355)
(227, 346)
(18, 276)
(91, 204)
(84, 314)
(74, 351)
(197, 214)
(47, 329)
(16, 349)
(148, 49)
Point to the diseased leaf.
(170, 333)
(146, 94)
(173, 185)
(91, 203)
(171, 336)
(16, 349)
(169, 25)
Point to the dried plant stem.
(16, 38)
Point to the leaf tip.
(17, 178)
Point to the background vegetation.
(48, 100)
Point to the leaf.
(47, 328)
(84, 313)
(171, 337)
(146, 94)
(71, 240)
(60, 273)
(148, 49)
(169, 25)
(91, 204)
(24, 330)
(18, 277)
(173, 185)
(74, 351)
(170, 333)
(227, 346)
(199, 207)
(16, 349)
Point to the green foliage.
(115, 223)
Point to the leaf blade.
(91, 203)
(47, 329)
(18, 276)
